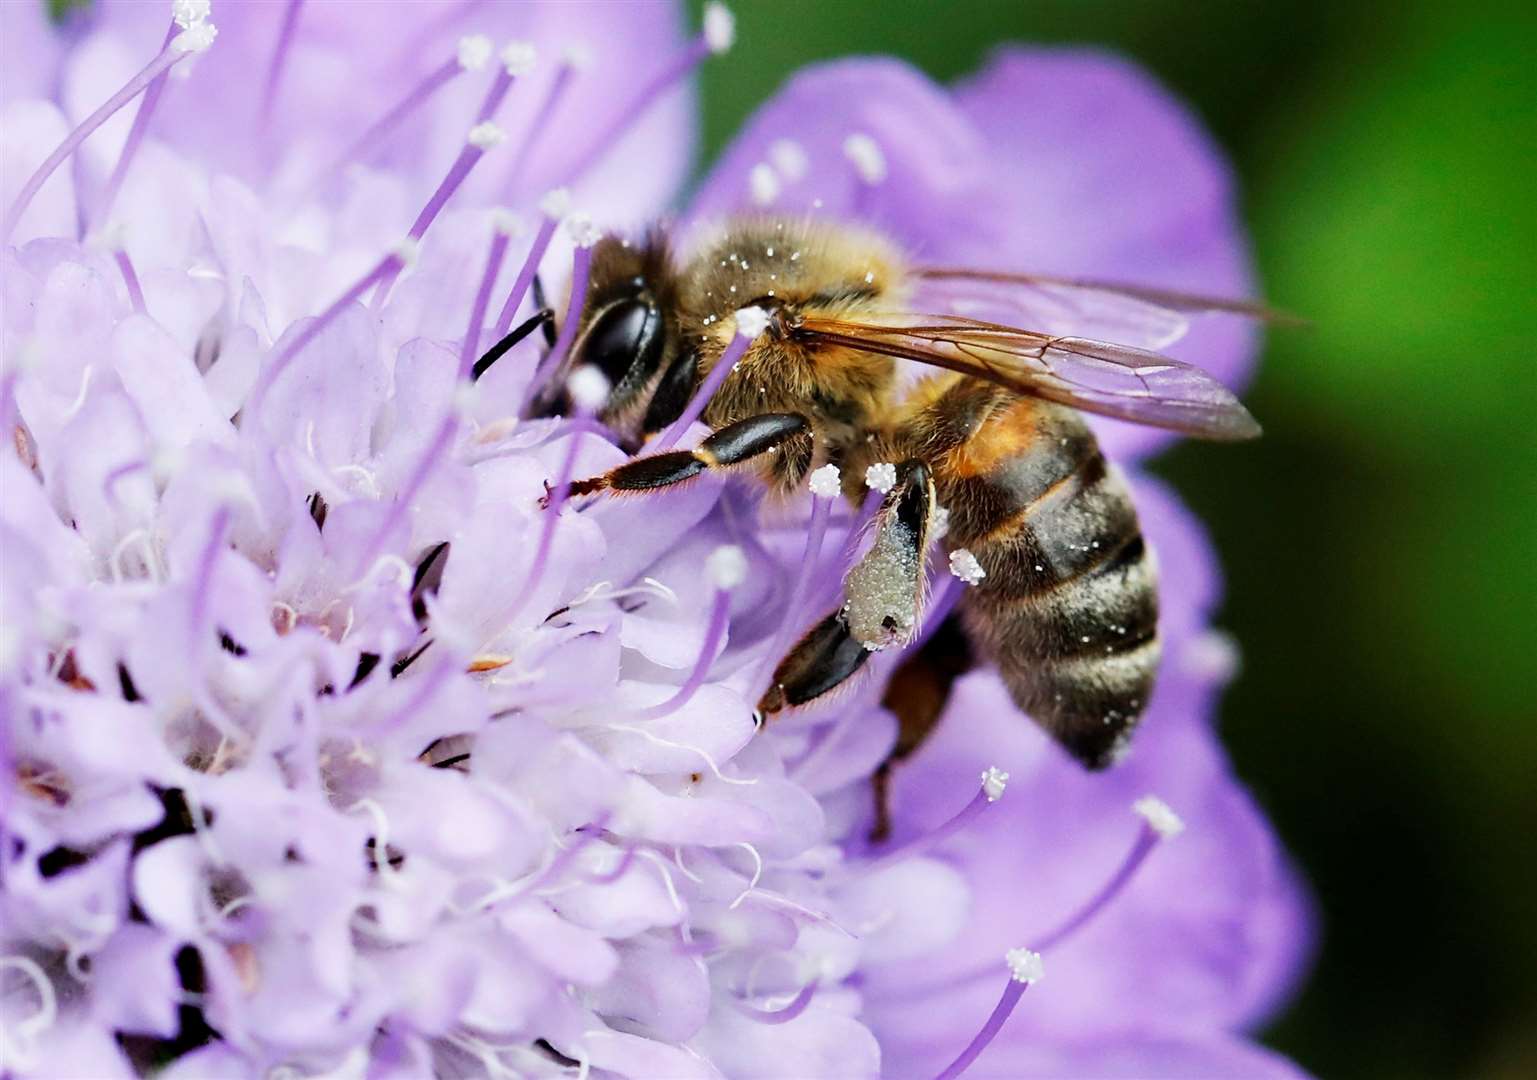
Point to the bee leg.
(544, 317)
(883, 591)
(734, 444)
(882, 599)
(819, 662)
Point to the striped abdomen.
(1069, 607)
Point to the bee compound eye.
(624, 335)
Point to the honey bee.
(1065, 602)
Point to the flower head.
(339, 738)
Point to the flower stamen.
(279, 60)
(750, 323)
(994, 782)
(1025, 968)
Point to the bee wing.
(1121, 381)
(1130, 314)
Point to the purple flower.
(338, 741)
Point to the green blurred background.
(1382, 574)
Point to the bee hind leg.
(883, 594)
(734, 444)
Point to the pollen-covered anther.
(939, 523)
(407, 251)
(964, 565)
(577, 56)
(189, 13)
(485, 135)
(508, 222)
(994, 782)
(790, 158)
(555, 203)
(466, 397)
(474, 51)
(196, 38)
(1025, 966)
(518, 57)
(868, 158)
(1160, 817)
(826, 482)
(763, 184)
(719, 27)
(726, 566)
(582, 231)
(588, 388)
(751, 321)
(488, 662)
(882, 476)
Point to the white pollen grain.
(719, 27)
(994, 783)
(826, 482)
(1159, 815)
(188, 13)
(763, 184)
(882, 476)
(588, 388)
(751, 321)
(485, 135)
(964, 565)
(1025, 966)
(726, 566)
(474, 51)
(556, 203)
(518, 57)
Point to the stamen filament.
(200, 589)
(1011, 995)
(469, 156)
(581, 268)
(130, 279)
(470, 346)
(745, 336)
(526, 273)
(720, 611)
(784, 1015)
(168, 58)
(685, 62)
(794, 610)
(993, 783)
(1147, 839)
(414, 98)
(390, 263)
(280, 57)
(135, 137)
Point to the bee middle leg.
(734, 444)
(883, 594)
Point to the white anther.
(1211, 656)
(882, 476)
(474, 51)
(939, 523)
(196, 38)
(1159, 815)
(486, 135)
(763, 184)
(826, 482)
(188, 13)
(582, 231)
(751, 321)
(556, 203)
(964, 565)
(868, 158)
(994, 781)
(719, 27)
(1025, 966)
(407, 251)
(577, 56)
(588, 388)
(466, 396)
(507, 223)
(518, 57)
(789, 157)
(726, 566)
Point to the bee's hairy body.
(1068, 607)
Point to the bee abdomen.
(1069, 607)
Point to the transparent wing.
(1130, 314)
(1122, 381)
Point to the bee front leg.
(734, 444)
(883, 597)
